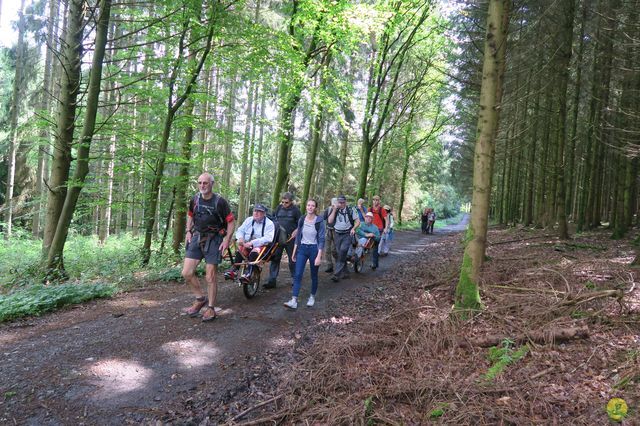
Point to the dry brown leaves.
(400, 359)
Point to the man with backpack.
(209, 228)
(255, 232)
(344, 221)
(330, 253)
(380, 220)
(287, 215)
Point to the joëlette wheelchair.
(359, 261)
(251, 285)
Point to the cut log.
(541, 337)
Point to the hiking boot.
(311, 301)
(329, 269)
(230, 274)
(270, 284)
(195, 308)
(292, 304)
(209, 314)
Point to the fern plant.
(502, 356)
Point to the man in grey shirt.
(344, 221)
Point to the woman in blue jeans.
(309, 246)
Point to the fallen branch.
(519, 240)
(592, 296)
(250, 409)
(262, 420)
(542, 373)
(534, 290)
(541, 337)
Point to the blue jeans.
(375, 255)
(306, 252)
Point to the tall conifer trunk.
(467, 291)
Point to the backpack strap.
(350, 216)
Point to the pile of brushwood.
(558, 338)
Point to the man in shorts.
(210, 226)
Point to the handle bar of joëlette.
(261, 257)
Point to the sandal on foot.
(195, 308)
(209, 314)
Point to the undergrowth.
(85, 260)
(118, 262)
(503, 356)
(38, 299)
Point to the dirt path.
(134, 356)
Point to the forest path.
(99, 362)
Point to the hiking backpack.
(349, 215)
(209, 212)
(280, 234)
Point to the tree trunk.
(67, 103)
(467, 291)
(179, 194)
(316, 133)
(403, 185)
(285, 142)
(259, 184)
(55, 264)
(173, 105)
(574, 122)
(243, 203)
(16, 98)
(564, 60)
(230, 119)
(45, 108)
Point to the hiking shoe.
(292, 304)
(209, 314)
(311, 301)
(335, 278)
(329, 269)
(230, 274)
(270, 284)
(195, 308)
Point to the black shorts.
(208, 251)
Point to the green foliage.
(439, 411)
(368, 410)
(85, 259)
(38, 299)
(443, 199)
(502, 356)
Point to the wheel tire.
(251, 289)
(357, 264)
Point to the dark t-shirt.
(205, 217)
(288, 217)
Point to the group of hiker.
(428, 220)
(310, 237)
